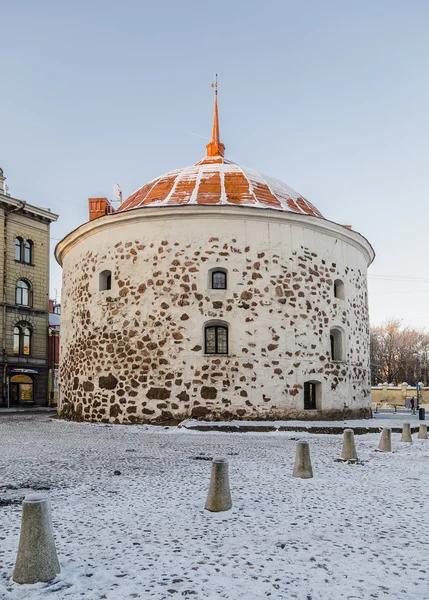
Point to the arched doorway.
(21, 390)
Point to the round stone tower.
(213, 292)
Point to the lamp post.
(421, 357)
(424, 358)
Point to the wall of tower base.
(75, 412)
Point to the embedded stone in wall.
(108, 383)
(158, 394)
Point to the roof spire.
(215, 148)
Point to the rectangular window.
(210, 340)
(18, 246)
(219, 280)
(216, 340)
(222, 340)
(16, 336)
(26, 341)
(27, 253)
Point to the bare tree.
(398, 354)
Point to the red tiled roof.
(216, 180)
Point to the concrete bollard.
(423, 432)
(349, 450)
(385, 444)
(302, 468)
(406, 433)
(219, 496)
(37, 558)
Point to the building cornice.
(34, 210)
(189, 212)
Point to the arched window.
(28, 252)
(22, 334)
(215, 339)
(339, 289)
(23, 293)
(19, 245)
(312, 395)
(336, 339)
(105, 280)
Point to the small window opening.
(339, 289)
(336, 340)
(19, 242)
(311, 392)
(216, 339)
(218, 280)
(28, 252)
(105, 280)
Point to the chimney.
(98, 207)
(2, 179)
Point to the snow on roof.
(216, 180)
(54, 320)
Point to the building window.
(105, 282)
(336, 339)
(23, 293)
(19, 246)
(312, 395)
(339, 289)
(28, 252)
(216, 339)
(22, 339)
(218, 280)
(57, 309)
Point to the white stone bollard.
(349, 450)
(37, 558)
(406, 433)
(302, 468)
(219, 496)
(423, 432)
(385, 444)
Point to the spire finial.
(215, 148)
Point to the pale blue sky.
(330, 96)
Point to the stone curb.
(27, 411)
(270, 428)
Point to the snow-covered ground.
(353, 531)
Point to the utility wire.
(399, 292)
(398, 278)
(46, 199)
